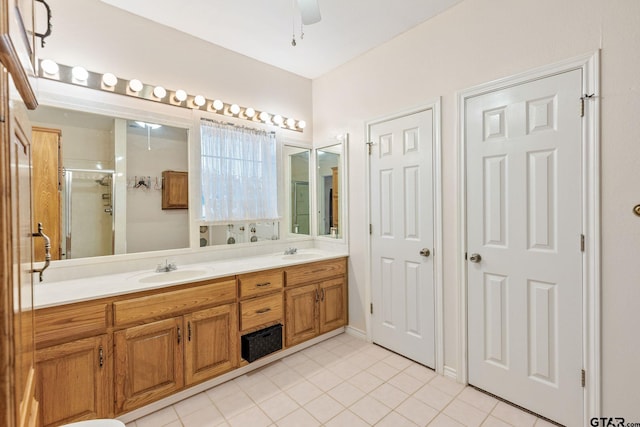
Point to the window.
(239, 173)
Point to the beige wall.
(479, 41)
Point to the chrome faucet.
(167, 267)
(291, 251)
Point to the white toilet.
(96, 423)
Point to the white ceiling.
(263, 29)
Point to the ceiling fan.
(310, 11)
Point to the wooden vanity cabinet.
(315, 300)
(74, 360)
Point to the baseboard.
(449, 372)
(355, 332)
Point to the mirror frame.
(342, 140)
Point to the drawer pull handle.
(317, 296)
(179, 335)
(101, 356)
(260, 285)
(189, 331)
(322, 295)
(263, 310)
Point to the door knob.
(425, 252)
(475, 258)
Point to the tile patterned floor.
(343, 381)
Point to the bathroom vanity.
(106, 355)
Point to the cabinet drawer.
(255, 284)
(313, 272)
(260, 311)
(166, 304)
(70, 322)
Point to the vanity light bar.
(108, 82)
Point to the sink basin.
(300, 256)
(172, 276)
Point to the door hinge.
(582, 243)
(582, 99)
(371, 308)
(370, 228)
(583, 378)
(369, 145)
(465, 256)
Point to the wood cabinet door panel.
(333, 308)
(212, 343)
(175, 190)
(74, 381)
(148, 363)
(301, 314)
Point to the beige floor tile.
(397, 361)
(433, 397)
(383, 371)
(287, 379)
(465, 413)
(478, 399)
(345, 369)
(325, 380)
(346, 419)
(366, 381)
(205, 417)
(192, 404)
(298, 418)
(159, 418)
(346, 393)
(323, 408)
(420, 373)
(513, 415)
(543, 423)
(234, 404)
(278, 406)
(369, 409)
(447, 385)
(253, 417)
(262, 390)
(406, 383)
(394, 419)
(223, 390)
(417, 411)
(389, 395)
(303, 392)
(308, 368)
(444, 421)
(131, 424)
(492, 421)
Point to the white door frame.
(436, 252)
(590, 66)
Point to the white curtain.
(239, 177)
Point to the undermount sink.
(300, 255)
(172, 275)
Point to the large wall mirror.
(331, 190)
(98, 180)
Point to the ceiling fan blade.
(310, 11)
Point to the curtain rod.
(236, 126)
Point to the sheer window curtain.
(239, 174)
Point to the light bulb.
(302, 124)
(181, 95)
(49, 67)
(80, 73)
(109, 80)
(277, 119)
(217, 105)
(264, 116)
(235, 109)
(159, 92)
(291, 122)
(199, 100)
(135, 85)
(250, 112)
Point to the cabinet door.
(333, 312)
(175, 190)
(74, 381)
(211, 343)
(301, 314)
(148, 363)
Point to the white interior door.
(402, 216)
(524, 228)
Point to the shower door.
(87, 212)
(300, 207)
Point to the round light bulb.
(302, 124)
(135, 85)
(159, 92)
(49, 67)
(250, 112)
(109, 80)
(264, 116)
(291, 122)
(80, 73)
(217, 105)
(277, 119)
(181, 95)
(199, 100)
(235, 109)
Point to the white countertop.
(89, 288)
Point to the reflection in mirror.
(299, 203)
(329, 180)
(98, 183)
(231, 234)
